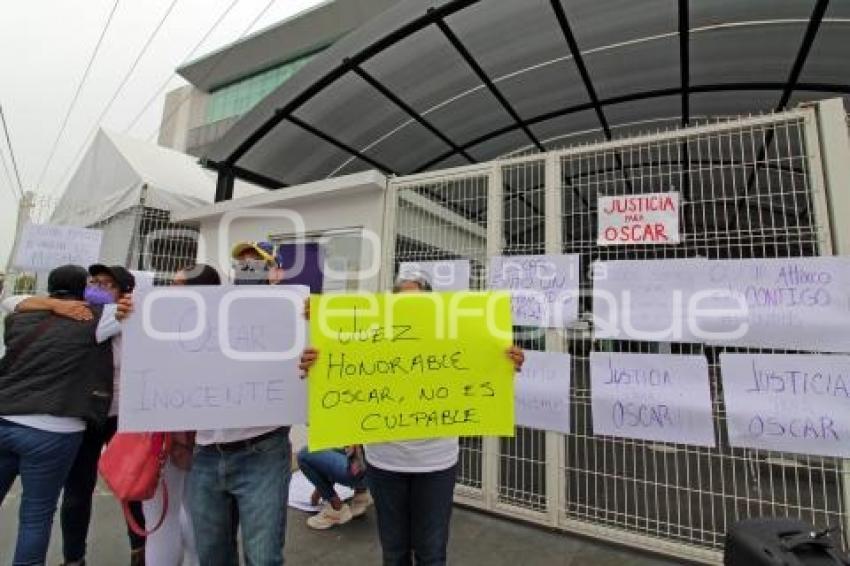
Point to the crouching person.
(326, 468)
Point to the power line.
(121, 86)
(77, 94)
(213, 68)
(185, 60)
(8, 176)
(11, 152)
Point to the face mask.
(96, 296)
(251, 272)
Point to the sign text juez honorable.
(213, 357)
(639, 219)
(409, 366)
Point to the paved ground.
(477, 539)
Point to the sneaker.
(360, 503)
(329, 517)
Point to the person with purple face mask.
(56, 376)
(106, 284)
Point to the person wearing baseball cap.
(121, 279)
(56, 376)
(255, 264)
(73, 292)
(257, 459)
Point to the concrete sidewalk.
(477, 540)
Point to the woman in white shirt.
(173, 543)
(412, 482)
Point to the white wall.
(357, 207)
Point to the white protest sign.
(788, 403)
(144, 279)
(445, 275)
(43, 247)
(645, 300)
(794, 303)
(542, 392)
(663, 398)
(213, 357)
(638, 219)
(544, 288)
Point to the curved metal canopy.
(437, 83)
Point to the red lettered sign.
(639, 219)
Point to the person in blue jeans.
(106, 285)
(250, 467)
(326, 468)
(56, 374)
(412, 482)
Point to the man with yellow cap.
(248, 467)
(254, 264)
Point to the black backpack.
(780, 542)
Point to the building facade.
(227, 83)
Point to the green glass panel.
(238, 98)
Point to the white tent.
(121, 177)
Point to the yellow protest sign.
(409, 366)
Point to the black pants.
(79, 488)
(414, 511)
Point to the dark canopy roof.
(437, 83)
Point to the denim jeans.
(326, 468)
(42, 459)
(75, 510)
(414, 510)
(257, 478)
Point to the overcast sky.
(45, 46)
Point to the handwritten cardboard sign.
(212, 358)
(409, 366)
(663, 398)
(794, 303)
(543, 392)
(638, 219)
(544, 288)
(45, 246)
(445, 275)
(788, 403)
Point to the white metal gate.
(752, 187)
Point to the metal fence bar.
(675, 499)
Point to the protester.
(248, 466)
(255, 264)
(56, 375)
(106, 286)
(173, 543)
(326, 468)
(412, 482)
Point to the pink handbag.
(131, 466)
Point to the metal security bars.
(439, 219)
(138, 237)
(670, 498)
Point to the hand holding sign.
(213, 357)
(408, 366)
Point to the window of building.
(237, 98)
